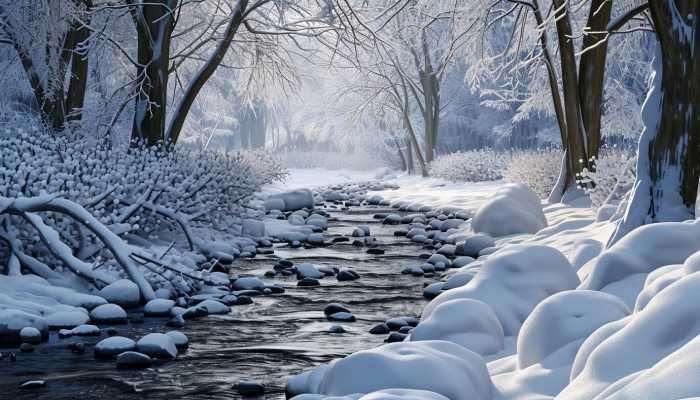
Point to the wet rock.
(77, 348)
(243, 301)
(461, 261)
(400, 232)
(30, 335)
(133, 360)
(405, 329)
(395, 324)
(26, 348)
(307, 270)
(333, 308)
(176, 322)
(111, 331)
(336, 329)
(438, 258)
(308, 282)
(274, 289)
(342, 317)
(248, 283)
(376, 251)
(392, 219)
(341, 239)
(396, 337)
(158, 308)
(380, 329)
(357, 232)
(316, 239)
(249, 389)
(347, 275)
(432, 290)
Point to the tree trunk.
(206, 71)
(77, 84)
(668, 165)
(592, 72)
(409, 157)
(154, 26)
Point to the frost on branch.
(70, 207)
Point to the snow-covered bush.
(614, 171)
(68, 199)
(470, 166)
(265, 165)
(539, 169)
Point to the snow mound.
(403, 394)
(564, 318)
(469, 323)
(515, 208)
(615, 354)
(437, 366)
(40, 291)
(513, 281)
(123, 292)
(291, 201)
(68, 319)
(642, 251)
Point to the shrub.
(614, 171)
(470, 166)
(538, 169)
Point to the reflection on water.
(268, 341)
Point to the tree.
(668, 166)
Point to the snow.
(513, 281)
(112, 346)
(469, 323)
(515, 208)
(108, 314)
(438, 366)
(67, 319)
(123, 292)
(157, 345)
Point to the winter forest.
(350, 199)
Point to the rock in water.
(26, 348)
(342, 317)
(158, 308)
(108, 314)
(30, 335)
(333, 308)
(112, 346)
(180, 339)
(347, 275)
(336, 329)
(123, 292)
(308, 282)
(380, 329)
(133, 360)
(157, 345)
(247, 389)
(291, 201)
(396, 337)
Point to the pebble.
(133, 360)
(395, 324)
(333, 308)
(306, 282)
(26, 348)
(396, 337)
(347, 275)
(336, 329)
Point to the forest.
(477, 199)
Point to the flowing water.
(269, 341)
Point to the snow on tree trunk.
(668, 167)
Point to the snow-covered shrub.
(265, 165)
(66, 198)
(539, 169)
(614, 171)
(470, 166)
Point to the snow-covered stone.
(123, 292)
(307, 270)
(469, 323)
(513, 281)
(110, 347)
(31, 335)
(214, 307)
(108, 314)
(133, 359)
(248, 283)
(13, 321)
(81, 330)
(67, 319)
(514, 208)
(158, 308)
(293, 200)
(180, 339)
(253, 228)
(474, 244)
(157, 345)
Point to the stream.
(269, 341)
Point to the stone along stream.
(269, 341)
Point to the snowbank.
(466, 322)
(513, 281)
(437, 366)
(515, 208)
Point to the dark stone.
(333, 308)
(195, 312)
(111, 331)
(340, 239)
(396, 337)
(243, 301)
(347, 275)
(400, 232)
(358, 243)
(77, 348)
(285, 263)
(26, 348)
(247, 389)
(270, 274)
(176, 322)
(336, 329)
(309, 282)
(406, 329)
(133, 360)
(275, 289)
(380, 329)
(376, 251)
(395, 324)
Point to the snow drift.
(515, 208)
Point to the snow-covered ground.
(543, 314)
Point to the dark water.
(269, 341)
